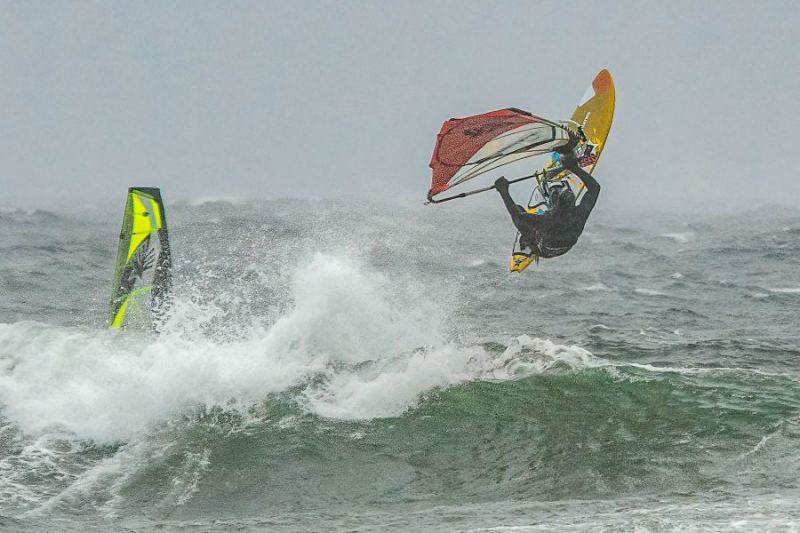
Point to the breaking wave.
(350, 345)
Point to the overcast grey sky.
(331, 99)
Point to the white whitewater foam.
(203, 200)
(16, 211)
(391, 387)
(649, 292)
(361, 346)
(785, 290)
(530, 355)
(342, 313)
(679, 237)
(108, 386)
(599, 286)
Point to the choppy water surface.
(354, 366)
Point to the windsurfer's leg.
(516, 211)
(523, 220)
(592, 187)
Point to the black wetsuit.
(555, 232)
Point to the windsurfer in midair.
(557, 230)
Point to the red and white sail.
(471, 146)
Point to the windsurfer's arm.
(592, 187)
(517, 212)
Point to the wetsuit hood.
(562, 199)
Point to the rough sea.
(355, 366)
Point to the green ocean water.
(374, 367)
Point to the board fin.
(142, 273)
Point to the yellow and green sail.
(142, 276)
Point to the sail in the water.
(142, 276)
(469, 147)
